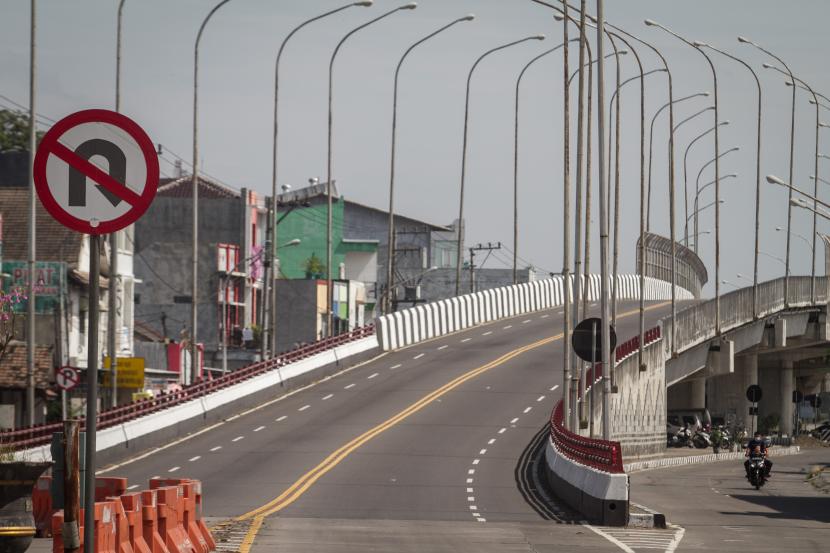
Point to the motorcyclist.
(758, 446)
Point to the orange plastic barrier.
(191, 499)
(42, 506)
(122, 527)
(106, 487)
(149, 522)
(171, 516)
(131, 502)
(105, 528)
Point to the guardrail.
(598, 454)
(33, 436)
(697, 324)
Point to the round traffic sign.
(753, 393)
(96, 171)
(583, 338)
(67, 378)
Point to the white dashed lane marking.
(258, 428)
(466, 340)
(471, 471)
(393, 367)
(507, 327)
(174, 469)
(492, 441)
(418, 356)
(349, 386)
(544, 316)
(514, 421)
(217, 448)
(525, 322)
(527, 410)
(476, 461)
(238, 438)
(541, 398)
(282, 418)
(555, 387)
(488, 333)
(482, 452)
(443, 347)
(134, 486)
(371, 376)
(304, 407)
(502, 431)
(328, 397)
(195, 458)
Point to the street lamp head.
(538, 37)
(295, 242)
(731, 176)
(410, 6)
(364, 3)
(706, 94)
(650, 22)
(766, 65)
(699, 44)
(772, 179)
(779, 229)
(744, 40)
(622, 52)
(725, 122)
(558, 16)
(468, 17)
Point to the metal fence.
(698, 323)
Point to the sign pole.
(91, 393)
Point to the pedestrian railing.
(32, 436)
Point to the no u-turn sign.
(96, 171)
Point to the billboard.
(49, 282)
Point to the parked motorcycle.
(701, 439)
(721, 439)
(682, 438)
(757, 471)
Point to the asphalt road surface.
(720, 511)
(434, 437)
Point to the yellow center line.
(298, 488)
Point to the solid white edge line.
(608, 537)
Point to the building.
(62, 283)
(230, 261)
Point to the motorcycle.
(682, 438)
(701, 439)
(721, 439)
(757, 471)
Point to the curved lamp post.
(685, 174)
(391, 246)
(757, 170)
(651, 146)
(745, 40)
(194, 299)
(710, 183)
(269, 325)
(516, 155)
(329, 291)
(714, 160)
(650, 22)
(460, 245)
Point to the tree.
(314, 267)
(14, 131)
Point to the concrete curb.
(665, 462)
(645, 519)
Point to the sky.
(76, 70)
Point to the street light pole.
(387, 308)
(112, 293)
(516, 156)
(651, 145)
(269, 290)
(194, 299)
(31, 342)
(757, 172)
(745, 40)
(686, 176)
(329, 281)
(697, 182)
(460, 245)
(717, 172)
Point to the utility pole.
(30, 291)
(479, 248)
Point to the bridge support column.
(749, 370)
(786, 398)
(698, 393)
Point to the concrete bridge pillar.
(786, 398)
(749, 371)
(698, 394)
